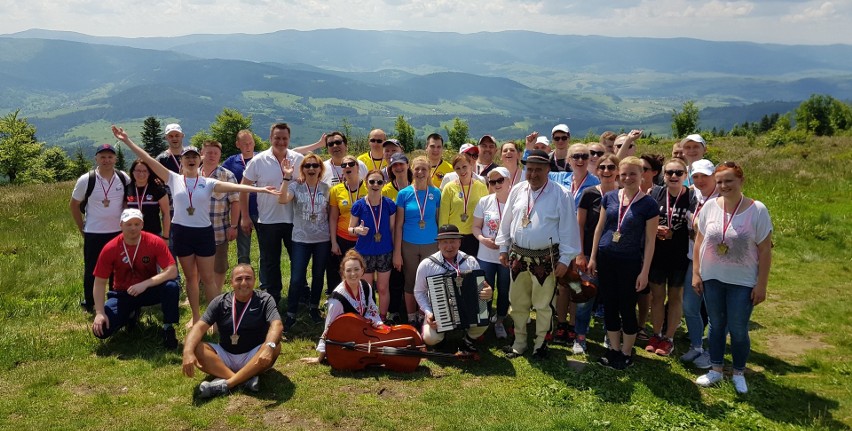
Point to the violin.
(352, 343)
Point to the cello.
(352, 343)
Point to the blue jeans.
(120, 305)
(302, 253)
(729, 308)
(501, 273)
(269, 239)
(692, 311)
(583, 317)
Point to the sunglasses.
(376, 182)
(675, 173)
(608, 167)
(345, 165)
(334, 143)
(377, 141)
(495, 182)
(579, 156)
(596, 153)
(311, 165)
(473, 155)
(561, 138)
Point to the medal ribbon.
(312, 195)
(726, 223)
(573, 191)
(109, 187)
(465, 196)
(530, 206)
(234, 311)
(381, 163)
(377, 221)
(126, 253)
(189, 193)
(421, 208)
(357, 193)
(177, 162)
(701, 205)
(670, 207)
(454, 266)
(138, 199)
(620, 205)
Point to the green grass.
(55, 375)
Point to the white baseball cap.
(174, 127)
(131, 213)
(560, 128)
(703, 166)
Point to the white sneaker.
(606, 342)
(579, 347)
(740, 383)
(702, 361)
(710, 379)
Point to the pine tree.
(152, 137)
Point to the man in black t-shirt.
(249, 329)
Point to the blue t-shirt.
(631, 245)
(567, 179)
(235, 164)
(367, 245)
(407, 203)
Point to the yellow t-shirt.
(371, 164)
(340, 197)
(438, 172)
(389, 191)
(452, 204)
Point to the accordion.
(455, 300)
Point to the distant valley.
(71, 86)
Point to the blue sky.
(774, 21)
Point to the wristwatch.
(271, 344)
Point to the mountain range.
(506, 83)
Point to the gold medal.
(190, 210)
(616, 236)
(422, 224)
(235, 338)
(464, 217)
(525, 221)
(668, 234)
(105, 202)
(722, 249)
(459, 281)
(313, 217)
(377, 237)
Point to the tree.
(18, 148)
(80, 165)
(823, 115)
(58, 163)
(225, 128)
(458, 134)
(120, 161)
(197, 140)
(404, 133)
(152, 137)
(685, 122)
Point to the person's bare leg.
(253, 368)
(644, 302)
(658, 307)
(383, 288)
(211, 363)
(675, 310)
(190, 273)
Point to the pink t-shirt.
(739, 264)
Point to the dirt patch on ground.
(791, 346)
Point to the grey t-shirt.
(308, 201)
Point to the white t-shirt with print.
(201, 189)
(265, 170)
(489, 210)
(100, 218)
(739, 264)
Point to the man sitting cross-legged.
(250, 328)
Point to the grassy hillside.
(55, 375)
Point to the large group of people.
(660, 237)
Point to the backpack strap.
(366, 294)
(90, 187)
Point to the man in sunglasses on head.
(336, 144)
(561, 139)
(375, 158)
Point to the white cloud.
(714, 20)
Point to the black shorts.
(378, 263)
(669, 276)
(188, 241)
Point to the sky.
(766, 21)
